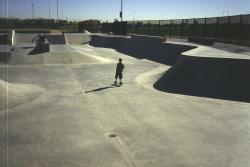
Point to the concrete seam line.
(107, 129)
(125, 152)
(73, 76)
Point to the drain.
(113, 135)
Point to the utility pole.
(57, 10)
(49, 7)
(62, 14)
(33, 15)
(133, 15)
(7, 8)
(121, 13)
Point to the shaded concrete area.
(209, 72)
(196, 70)
(143, 47)
(208, 77)
(81, 120)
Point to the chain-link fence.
(230, 29)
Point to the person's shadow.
(100, 89)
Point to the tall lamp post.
(133, 15)
(121, 13)
(49, 7)
(57, 10)
(33, 15)
(7, 8)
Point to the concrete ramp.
(208, 76)
(144, 42)
(202, 71)
(23, 38)
(17, 94)
(115, 42)
(59, 54)
(56, 39)
(143, 47)
(53, 58)
(77, 38)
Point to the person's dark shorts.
(118, 75)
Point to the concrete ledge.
(148, 39)
(77, 38)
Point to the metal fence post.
(205, 28)
(216, 28)
(181, 28)
(193, 30)
(148, 26)
(137, 25)
(170, 28)
(228, 29)
(240, 29)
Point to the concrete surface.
(78, 119)
(59, 54)
(23, 38)
(77, 38)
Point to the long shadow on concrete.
(35, 51)
(218, 78)
(100, 89)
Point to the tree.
(90, 25)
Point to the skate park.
(183, 100)
(63, 111)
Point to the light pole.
(62, 14)
(33, 15)
(57, 10)
(133, 15)
(7, 9)
(49, 7)
(121, 13)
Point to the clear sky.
(133, 9)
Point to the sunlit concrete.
(78, 119)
